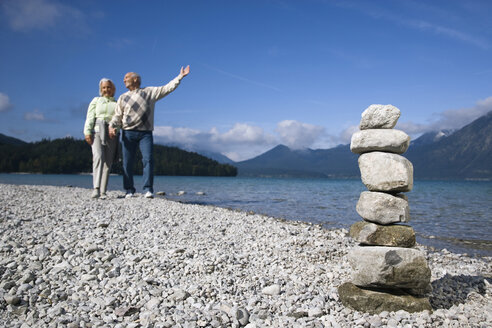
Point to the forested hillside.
(68, 156)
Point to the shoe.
(129, 195)
(149, 194)
(103, 196)
(95, 193)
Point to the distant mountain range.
(282, 161)
(431, 137)
(461, 154)
(6, 140)
(215, 156)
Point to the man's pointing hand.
(185, 71)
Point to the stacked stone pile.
(388, 274)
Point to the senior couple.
(133, 114)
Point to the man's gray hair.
(139, 79)
(105, 80)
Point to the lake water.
(456, 215)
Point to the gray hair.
(139, 79)
(105, 80)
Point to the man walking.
(134, 114)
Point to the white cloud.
(298, 135)
(25, 15)
(450, 119)
(185, 137)
(242, 141)
(346, 134)
(35, 115)
(412, 128)
(5, 104)
(245, 134)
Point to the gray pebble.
(12, 299)
(184, 265)
(271, 290)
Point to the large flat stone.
(393, 267)
(386, 172)
(388, 140)
(394, 235)
(376, 301)
(383, 208)
(379, 117)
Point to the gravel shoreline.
(69, 261)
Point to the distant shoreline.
(261, 177)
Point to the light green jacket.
(100, 108)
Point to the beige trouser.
(102, 159)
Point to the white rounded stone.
(386, 172)
(387, 140)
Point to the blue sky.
(263, 73)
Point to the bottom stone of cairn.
(375, 301)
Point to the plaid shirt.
(135, 109)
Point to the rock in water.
(386, 172)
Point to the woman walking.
(99, 114)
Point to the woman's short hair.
(106, 80)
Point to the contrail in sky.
(243, 78)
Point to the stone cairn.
(388, 274)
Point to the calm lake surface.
(456, 215)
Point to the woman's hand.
(112, 132)
(89, 139)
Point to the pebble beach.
(67, 260)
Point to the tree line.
(71, 156)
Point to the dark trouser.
(130, 139)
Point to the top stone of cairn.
(379, 117)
